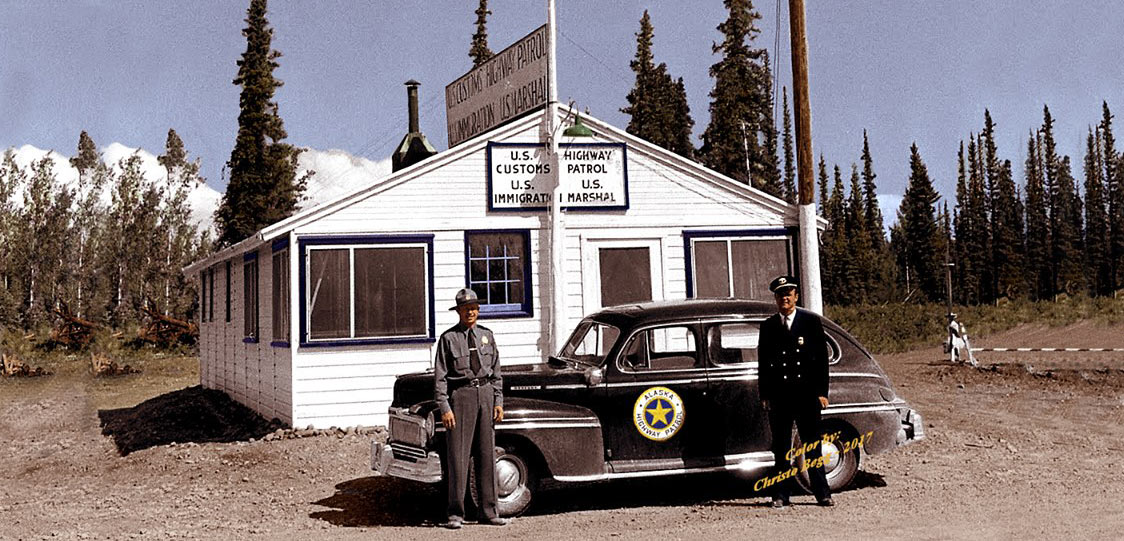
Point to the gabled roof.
(564, 117)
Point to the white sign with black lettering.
(592, 175)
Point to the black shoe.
(826, 502)
(498, 521)
(779, 503)
(454, 523)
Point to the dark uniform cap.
(465, 296)
(782, 282)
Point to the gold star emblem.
(659, 413)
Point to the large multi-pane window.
(367, 291)
(281, 296)
(736, 266)
(498, 270)
(250, 297)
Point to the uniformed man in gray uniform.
(469, 389)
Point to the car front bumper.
(405, 462)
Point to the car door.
(740, 422)
(656, 413)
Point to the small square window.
(498, 266)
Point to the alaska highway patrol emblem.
(658, 413)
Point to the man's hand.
(497, 413)
(823, 402)
(449, 420)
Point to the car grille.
(408, 429)
(407, 452)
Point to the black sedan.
(653, 389)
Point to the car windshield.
(590, 343)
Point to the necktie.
(473, 355)
(788, 322)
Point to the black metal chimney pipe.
(414, 147)
(412, 97)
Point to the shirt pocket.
(459, 352)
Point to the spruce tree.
(823, 189)
(920, 233)
(479, 51)
(1008, 257)
(790, 193)
(657, 105)
(861, 259)
(741, 139)
(870, 199)
(263, 187)
(1065, 214)
(835, 263)
(961, 227)
(1096, 218)
(681, 122)
(1114, 187)
(1037, 224)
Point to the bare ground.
(1010, 453)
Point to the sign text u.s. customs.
(592, 175)
(509, 84)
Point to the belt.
(472, 382)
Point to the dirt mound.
(193, 414)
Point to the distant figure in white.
(957, 345)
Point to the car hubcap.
(832, 457)
(510, 475)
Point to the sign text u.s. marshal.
(592, 176)
(506, 86)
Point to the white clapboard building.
(311, 319)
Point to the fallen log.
(13, 368)
(104, 366)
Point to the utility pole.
(811, 289)
(557, 274)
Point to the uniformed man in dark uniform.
(793, 382)
(469, 390)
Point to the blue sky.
(906, 71)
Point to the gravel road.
(1009, 454)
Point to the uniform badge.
(484, 339)
(658, 413)
(799, 341)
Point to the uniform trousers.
(473, 437)
(805, 411)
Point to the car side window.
(834, 351)
(661, 348)
(733, 343)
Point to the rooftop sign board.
(509, 84)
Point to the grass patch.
(894, 328)
(161, 370)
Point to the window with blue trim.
(369, 291)
(499, 271)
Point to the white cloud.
(337, 173)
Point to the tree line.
(1004, 242)
(102, 248)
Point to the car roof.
(630, 315)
